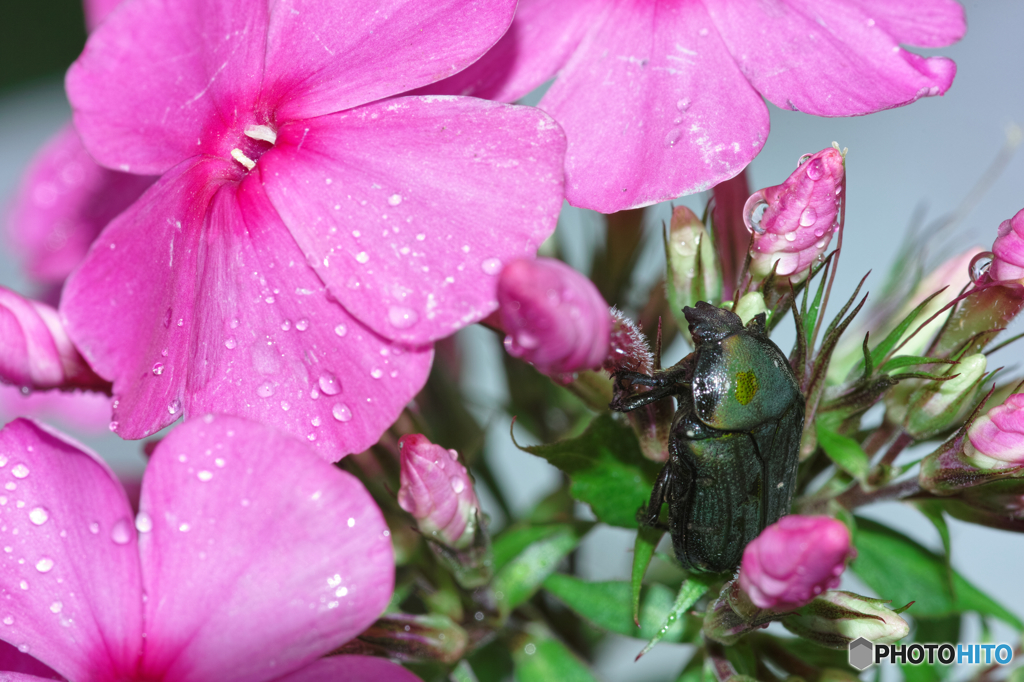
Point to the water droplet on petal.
(184, 528)
(394, 199)
(341, 412)
(113, 425)
(121, 532)
(808, 217)
(683, 104)
(20, 471)
(979, 265)
(8, 620)
(158, 368)
(672, 136)
(204, 475)
(791, 236)
(753, 211)
(56, 607)
(803, 159)
(39, 516)
(340, 330)
(457, 485)
(265, 390)
(376, 373)
(815, 169)
(230, 343)
(94, 528)
(362, 257)
(402, 318)
(44, 565)
(174, 406)
(286, 325)
(491, 266)
(329, 384)
(302, 325)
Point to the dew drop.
(44, 565)
(980, 265)
(158, 368)
(10, 485)
(376, 373)
(791, 236)
(815, 169)
(265, 390)
(174, 406)
(302, 325)
(23, 648)
(683, 104)
(286, 325)
(329, 384)
(121, 533)
(753, 212)
(20, 471)
(341, 412)
(8, 620)
(341, 330)
(808, 217)
(394, 199)
(56, 607)
(457, 485)
(23, 585)
(402, 318)
(230, 343)
(39, 516)
(672, 137)
(94, 528)
(491, 266)
(315, 421)
(204, 475)
(362, 257)
(285, 405)
(184, 528)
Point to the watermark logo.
(864, 653)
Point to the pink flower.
(86, 411)
(661, 99)
(996, 440)
(437, 490)
(555, 317)
(308, 237)
(35, 351)
(1008, 251)
(800, 215)
(793, 560)
(234, 569)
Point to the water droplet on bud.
(979, 266)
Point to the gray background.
(930, 153)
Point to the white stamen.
(260, 132)
(241, 158)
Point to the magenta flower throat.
(307, 239)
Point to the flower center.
(260, 136)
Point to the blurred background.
(917, 163)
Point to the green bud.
(750, 305)
(689, 277)
(938, 405)
(836, 618)
(411, 638)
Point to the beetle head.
(709, 323)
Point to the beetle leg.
(632, 402)
(648, 515)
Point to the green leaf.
(811, 316)
(520, 575)
(932, 510)
(898, 568)
(647, 540)
(889, 342)
(606, 470)
(845, 452)
(689, 592)
(539, 657)
(901, 361)
(607, 606)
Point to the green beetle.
(735, 438)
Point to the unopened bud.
(37, 352)
(793, 560)
(1007, 265)
(799, 216)
(836, 618)
(996, 440)
(999, 504)
(692, 267)
(437, 490)
(411, 638)
(554, 316)
(940, 404)
(750, 306)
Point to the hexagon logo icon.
(862, 653)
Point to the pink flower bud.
(554, 316)
(800, 215)
(35, 351)
(1008, 251)
(996, 440)
(437, 490)
(793, 560)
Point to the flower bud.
(691, 276)
(938, 405)
(836, 618)
(554, 316)
(37, 352)
(437, 490)
(996, 440)
(794, 559)
(799, 218)
(1007, 265)
(999, 504)
(750, 306)
(411, 638)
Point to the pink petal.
(826, 57)
(97, 10)
(924, 23)
(410, 207)
(653, 115)
(161, 80)
(70, 568)
(224, 314)
(13, 661)
(324, 57)
(19, 677)
(64, 202)
(351, 669)
(132, 300)
(81, 410)
(540, 40)
(261, 556)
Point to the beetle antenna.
(657, 347)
